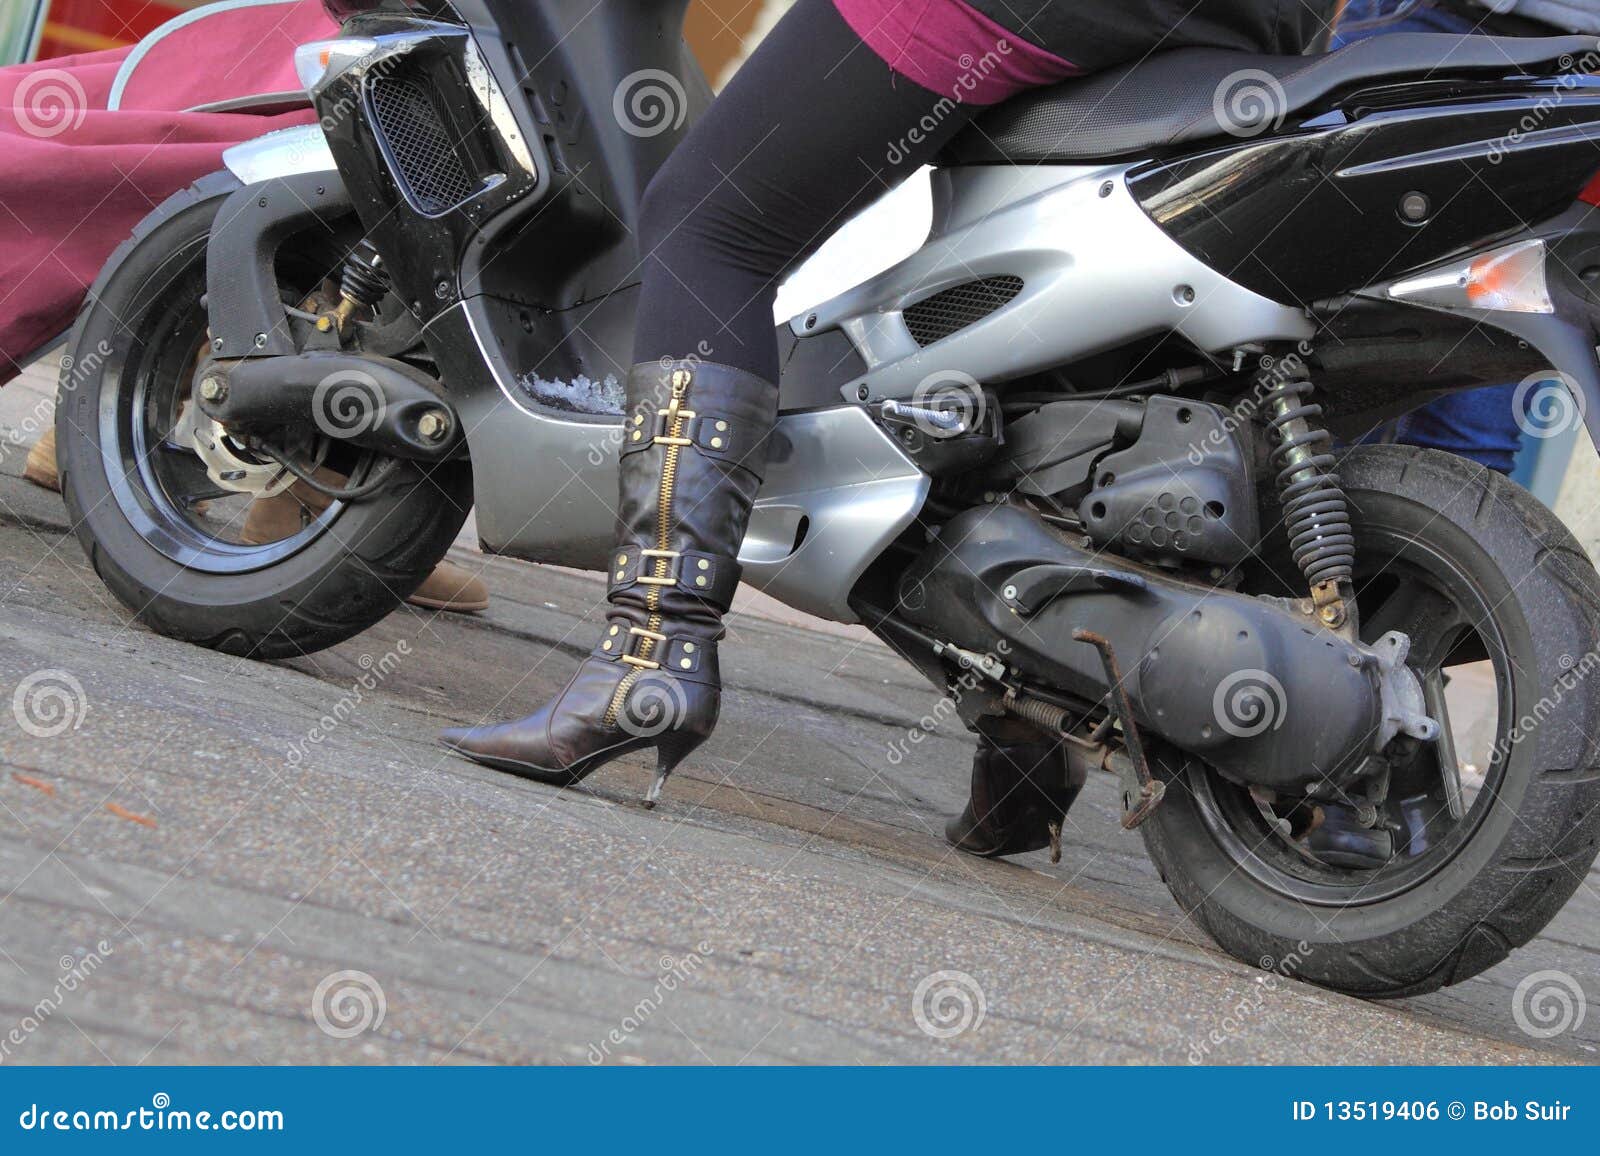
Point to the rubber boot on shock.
(694, 449)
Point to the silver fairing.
(837, 491)
(1097, 272)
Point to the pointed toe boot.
(694, 448)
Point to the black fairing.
(556, 232)
(1479, 164)
(537, 272)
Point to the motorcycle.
(1075, 455)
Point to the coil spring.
(1047, 715)
(1314, 509)
(364, 279)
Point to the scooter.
(1074, 456)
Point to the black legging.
(799, 141)
(816, 125)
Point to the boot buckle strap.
(670, 578)
(711, 578)
(626, 654)
(633, 659)
(693, 658)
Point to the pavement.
(205, 859)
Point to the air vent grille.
(951, 310)
(430, 161)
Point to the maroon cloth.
(949, 47)
(77, 178)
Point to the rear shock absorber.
(363, 282)
(1314, 510)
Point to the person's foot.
(40, 468)
(449, 587)
(1021, 793)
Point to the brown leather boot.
(40, 468)
(694, 450)
(1021, 793)
(448, 587)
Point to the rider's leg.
(812, 128)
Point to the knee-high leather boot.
(694, 448)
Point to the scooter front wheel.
(180, 549)
(1478, 842)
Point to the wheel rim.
(1402, 584)
(159, 483)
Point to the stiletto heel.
(671, 751)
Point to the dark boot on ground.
(1021, 792)
(695, 444)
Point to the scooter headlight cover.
(321, 59)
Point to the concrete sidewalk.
(230, 864)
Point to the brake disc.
(231, 465)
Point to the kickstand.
(1141, 793)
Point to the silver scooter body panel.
(837, 491)
(1097, 273)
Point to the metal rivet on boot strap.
(722, 426)
(622, 559)
(716, 443)
(700, 581)
(686, 664)
(606, 645)
(614, 629)
(688, 648)
(704, 565)
(637, 435)
(621, 574)
(638, 419)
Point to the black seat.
(1191, 94)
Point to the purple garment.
(950, 48)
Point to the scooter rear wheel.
(1492, 588)
(162, 535)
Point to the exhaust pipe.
(1252, 685)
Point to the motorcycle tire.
(131, 353)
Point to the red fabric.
(77, 178)
(950, 47)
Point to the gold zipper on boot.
(674, 440)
